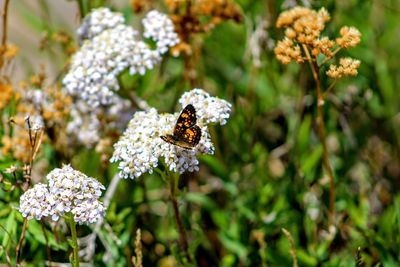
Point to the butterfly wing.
(191, 136)
(186, 133)
(186, 119)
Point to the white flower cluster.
(34, 202)
(34, 123)
(159, 27)
(36, 96)
(98, 21)
(87, 124)
(111, 47)
(208, 109)
(38, 99)
(140, 147)
(68, 191)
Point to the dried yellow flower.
(286, 51)
(18, 145)
(303, 35)
(195, 17)
(11, 51)
(290, 33)
(303, 23)
(347, 67)
(6, 92)
(350, 37)
(138, 259)
(324, 46)
(287, 18)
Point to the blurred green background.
(266, 173)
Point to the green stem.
(81, 5)
(322, 135)
(21, 240)
(173, 183)
(74, 243)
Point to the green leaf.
(233, 245)
(200, 199)
(10, 228)
(36, 231)
(310, 162)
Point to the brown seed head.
(347, 67)
(350, 37)
(286, 51)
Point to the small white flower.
(36, 96)
(160, 28)
(68, 190)
(36, 123)
(34, 202)
(98, 21)
(140, 147)
(85, 125)
(88, 211)
(208, 109)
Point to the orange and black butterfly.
(186, 133)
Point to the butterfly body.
(186, 133)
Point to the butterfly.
(186, 133)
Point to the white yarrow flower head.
(109, 48)
(34, 202)
(98, 21)
(160, 28)
(68, 191)
(140, 147)
(208, 109)
(87, 125)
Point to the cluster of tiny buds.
(347, 67)
(303, 40)
(350, 37)
(303, 24)
(286, 51)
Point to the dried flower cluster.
(347, 67)
(67, 191)
(140, 147)
(109, 47)
(46, 108)
(350, 37)
(6, 93)
(303, 40)
(191, 17)
(7, 55)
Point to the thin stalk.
(181, 229)
(292, 246)
(81, 8)
(21, 240)
(72, 225)
(5, 15)
(329, 88)
(322, 135)
(47, 242)
(329, 58)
